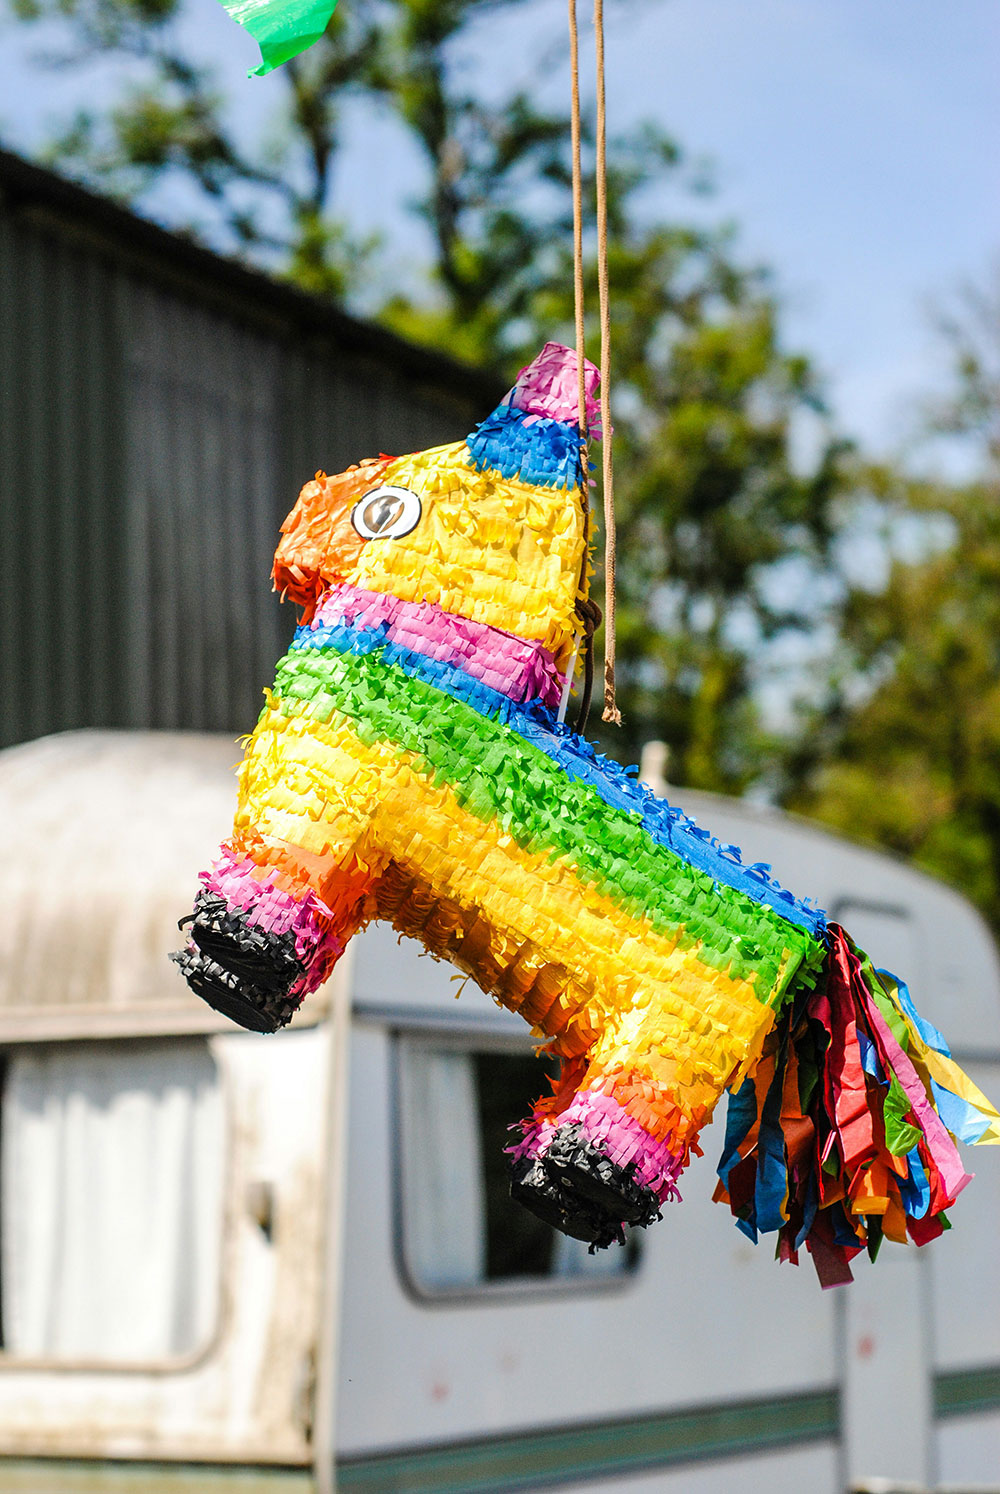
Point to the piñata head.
(409, 765)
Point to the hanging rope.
(589, 612)
(574, 64)
(611, 712)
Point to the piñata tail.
(411, 765)
(844, 1133)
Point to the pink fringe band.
(516, 667)
(621, 1138)
(549, 386)
(245, 885)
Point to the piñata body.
(410, 766)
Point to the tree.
(711, 507)
(905, 749)
(705, 397)
(270, 199)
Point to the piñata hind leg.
(464, 889)
(277, 909)
(587, 1166)
(651, 1022)
(620, 1128)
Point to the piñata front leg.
(293, 884)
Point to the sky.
(852, 141)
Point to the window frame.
(478, 1038)
(11, 1362)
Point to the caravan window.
(111, 1176)
(459, 1229)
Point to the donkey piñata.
(410, 765)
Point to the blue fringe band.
(513, 443)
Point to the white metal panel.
(889, 936)
(393, 973)
(887, 1400)
(963, 1263)
(968, 1453)
(886, 1389)
(706, 1317)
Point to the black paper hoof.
(575, 1187)
(581, 1167)
(220, 990)
(244, 972)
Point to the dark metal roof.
(159, 408)
(46, 198)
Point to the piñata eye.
(386, 513)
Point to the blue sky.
(853, 141)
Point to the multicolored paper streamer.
(410, 765)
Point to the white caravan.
(265, 1264)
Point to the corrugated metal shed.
(159, 409)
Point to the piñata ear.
(548, 386)
(320, 542)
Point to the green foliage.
(101, 25)
(905, 749)
(270, 199)
(710, 508)
(710, 505)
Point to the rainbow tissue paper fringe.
(409, 765)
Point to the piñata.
(410, 765)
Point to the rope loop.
(610, 712)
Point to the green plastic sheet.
(281, 28)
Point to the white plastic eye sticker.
(386, 513)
